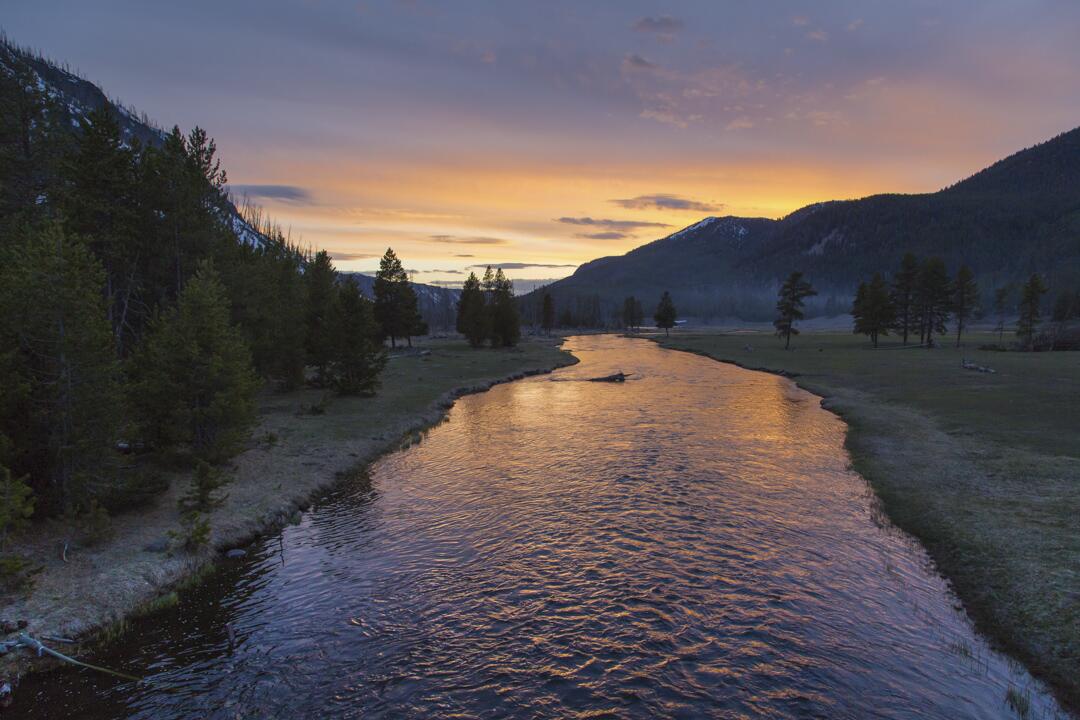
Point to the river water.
(688, 544)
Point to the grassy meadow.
(983, 468)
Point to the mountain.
(75, 97)
(1019, 216)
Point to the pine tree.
(191, 378)
(268, 294)
(395, 300)
(62, 373)
(505, 322)
(873, 310)
(789, 305)
(628, 313)
(99, 202)
(472, 317)
(665, 313)
(547, 314)
(965, 297)
(1001, 306)
(203, 495)
(359, 355)
(320, 279)
(16, 504)
(1030, 299)
(934, 299)
(904, 287)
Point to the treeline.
(921, 299)
(140, 314)
(487, 312)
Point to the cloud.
(662, 25)
(456, 240)
(519, 265)
(616, 225)
(818, 35)
(855, 25)
(447, 272)
(800, 20)
(288, 193)
(610, 235)
(463, 255)
(664, 201)
(633, 61)
(352, 256)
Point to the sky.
(540, 135)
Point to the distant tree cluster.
(922, 299)
(132, 319)
(487, 311)
(632, 314)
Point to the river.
(691, 543)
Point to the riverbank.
(303, 443)
(984, 469)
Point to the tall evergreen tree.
(789, 305)
(359, 355)
(904, 288)
(61, 389)
(934, 299)
(192, 382)
(873, 310)
(547, 314)
(665, 314)
(472, 317)
(99, 202)
(505, 322)
(628, 312)
(320, 279)
(1030, 300)
(965, 297)
(395, 301)
(1001, 306)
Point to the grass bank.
(294, 453)
(983, 468)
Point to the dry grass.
(983, 468)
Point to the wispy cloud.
(609, 235)
(518, 265)
(288, 193)
(618, 225)
(352, 256)
(445, 272)
(664, 201)
(467, 240)
(664, 25)
(633, 61)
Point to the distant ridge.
(1018, 216)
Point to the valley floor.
(984, 469)
(293, 454)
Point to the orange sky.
(548, 134)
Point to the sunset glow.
(548, 134)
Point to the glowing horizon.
(548, 135)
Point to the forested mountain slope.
(1019, 216)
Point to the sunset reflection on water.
(690, 543)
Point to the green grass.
(983, 468)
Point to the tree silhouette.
(665, 313)
(789, 305)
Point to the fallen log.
(616, 378)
